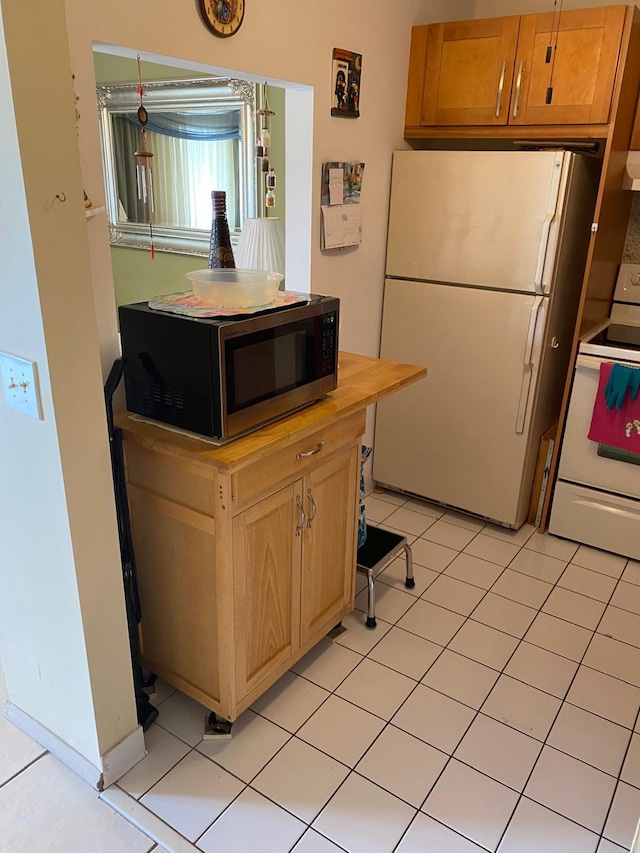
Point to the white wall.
(293, 46)
(293, 49)
(62, 627)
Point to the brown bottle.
(220, 250)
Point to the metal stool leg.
(371, 614)
(409, 582)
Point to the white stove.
(618, 339)
(597, 496)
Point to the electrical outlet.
(20, 385)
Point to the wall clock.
(222, 17)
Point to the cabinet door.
(468, 72)
(329, 541)
(579, 69)
(266, 558)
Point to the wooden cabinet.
(468, 71)
(293, 567)
(533, 70)
(580, 73)
(327, 580)
(246, 552)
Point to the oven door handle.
(590, 362)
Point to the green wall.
(138, 278)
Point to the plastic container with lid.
(235, 288)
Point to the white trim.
(122, 757)
(146, 821)
(116, 762)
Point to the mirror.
(202, 133)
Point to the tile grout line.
(500, 672)
(503, 672)
(25, 767)
(544, 743)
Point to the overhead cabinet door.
(469, 67)
(565, 66)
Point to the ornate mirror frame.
(173, 95)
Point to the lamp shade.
(261, 245)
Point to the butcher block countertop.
(361, 381)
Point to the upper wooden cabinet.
(581, 71)
(468, 71)
(516, 70)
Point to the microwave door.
(273, 371)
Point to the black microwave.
(223, 377)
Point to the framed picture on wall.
(346, 69)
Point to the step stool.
(379, 548)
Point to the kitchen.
(361, 323)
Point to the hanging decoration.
(263, 144)
(552, 48)
(346, 72)
(143, 158)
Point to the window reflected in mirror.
(201, 133)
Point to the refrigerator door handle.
(542, 254)
(527, 367)
(549, 219)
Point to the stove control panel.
(628, 284)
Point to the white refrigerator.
(485, 259)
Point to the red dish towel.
(615, 427)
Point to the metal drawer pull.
(314, 509)
(300, 527)
(503, 68)
(311, 452)
(518, 87)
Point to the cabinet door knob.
(300, 527)
(311, 452)
(314, 509)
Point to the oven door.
(582, 461)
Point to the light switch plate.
(20, 385)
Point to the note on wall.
(340, 199)
(342, 225)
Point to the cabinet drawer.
(177, 480)
(288, 464)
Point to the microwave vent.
(155, 400)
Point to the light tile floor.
(494, 708)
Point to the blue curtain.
(213, 127)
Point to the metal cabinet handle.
(311, 452)
(518, 87)
(314, 509)
(554, 343)
(300, 527)
(503, 68)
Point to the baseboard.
(116, 762)
(122, 757)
